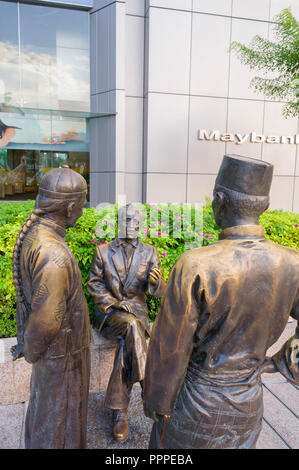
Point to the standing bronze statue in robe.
(52, 316)
(224, 306)
(122, 271)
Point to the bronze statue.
(122, 271)
(224, 306)
(52, 316)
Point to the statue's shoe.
(120, 425)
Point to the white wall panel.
(134, 55)
(245, 117)
(209, 114)
(240, 75)
(200, 187)
(133, 134)
(281, 193)
(169, 51)
(296, 196)
(254, 9)
(282, 156)
(210, 55)
(167, 133)
(278, 5)
(166, 188)
(171, 4)
(133, 187)
(217, 7)
(135, 7)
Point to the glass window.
(9, 54)
(21, 171)
(54, 58)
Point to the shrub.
(99, 227)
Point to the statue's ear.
(220, 198)
(70, 208)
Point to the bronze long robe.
(56, 341)
(224, 306)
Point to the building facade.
(176, 99)
(44, 94)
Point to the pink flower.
(296, 225)
(164, 254)
(93, 241)
(105, 221)
(159, 234)
(152, 226)
(111, 225)
(97, 232)
(101, 243)
(180, 217)
(210, 236)
(146, 231)
(202, 235)
(159, 223)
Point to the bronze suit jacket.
(56, 341)
(224, 306)
(109, 283)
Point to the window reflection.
(9, 54)
(44, 64)
(21, 171)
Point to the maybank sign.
(252, 137)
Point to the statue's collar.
(124, 241)
(242, 231)
(57, 228)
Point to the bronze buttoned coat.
(110, 283)
(224, 306)
(56, 341)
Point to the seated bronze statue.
(225, 304)
(122, 272)
(52, 316)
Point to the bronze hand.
(155, 275)
(123, 305)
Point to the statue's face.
(76, 211)
(129, 224)
(217, 209)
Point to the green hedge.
(280, 227)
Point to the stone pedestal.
(15, 375)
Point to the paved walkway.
(280, 422)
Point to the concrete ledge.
(15, 375)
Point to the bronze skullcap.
(245, 175)
(62, 183)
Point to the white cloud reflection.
(43, 80)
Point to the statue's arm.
(50, 289)
(96, 285)
(156, 281)
(286, 361)
(171, 343)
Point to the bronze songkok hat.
(245, 175)
(62, 183)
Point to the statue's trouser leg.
(129, 361)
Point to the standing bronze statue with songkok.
(52, 316)
(224, 306)
(122, 272)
